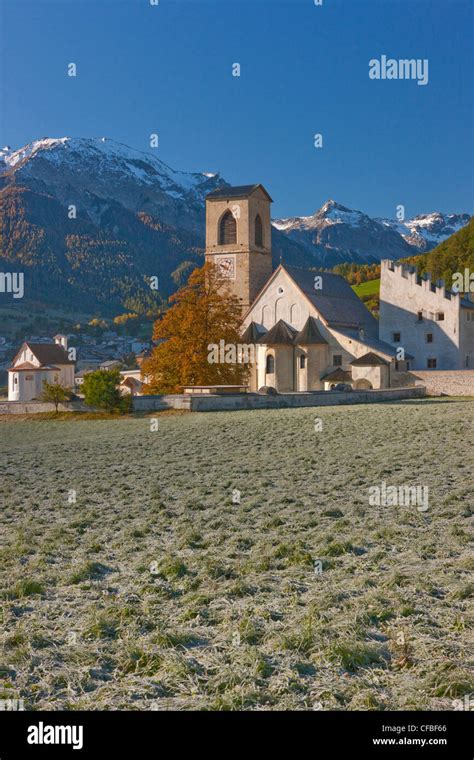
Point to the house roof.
(252, 333)
(131, 381)
(335, 301)
(281, 332)
(46, 353)
(338, 375)
(25, 365)
(28, 367)
(236, 191)
(310, 333)
(369, 360)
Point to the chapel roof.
(47, 353)
(338, 375)
(27, 366)
(369, 360)
(281, 332)
(309, 334)
(252, 333)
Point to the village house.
(36, 363)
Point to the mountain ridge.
(90, 220)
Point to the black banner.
(98, 734)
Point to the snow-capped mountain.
(70, 167)
(426, 231)
(134, 216)
(336, 233)
(89, 220)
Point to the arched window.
(227, 229)
(302, 361)
(270, 365)
(258, 231)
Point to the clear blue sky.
(304, 69)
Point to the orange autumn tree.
(204, 312)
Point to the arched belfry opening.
(227, 229)
(258, 231)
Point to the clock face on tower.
(226, 266)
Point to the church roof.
(335, 301)
(281, 332)
(236, 191)
(372, 342)
(252, 333)
(369, 360)
(310, 333)
(338, 375)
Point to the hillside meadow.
(231, 561)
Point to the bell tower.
(238, 238)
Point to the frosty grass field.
(155, 591)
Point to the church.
(310, 330)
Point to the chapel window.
(302, 361)
(270, 365)
(337, 360)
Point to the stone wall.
(440, 383)
(235, 402)
(157, 403)
(38, 407)
(209, 403)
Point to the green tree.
(55, 393)
(101, 390)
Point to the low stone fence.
(35, 407)
(446, 382)
(210, 403)
(168, 401)
(228, 402)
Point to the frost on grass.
(155, 590)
